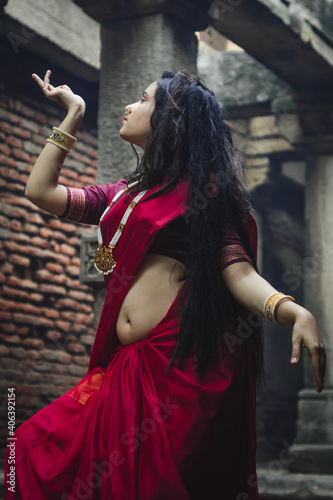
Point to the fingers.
(44, 84)
(318, 359)
(296, 351)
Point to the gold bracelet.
(272, 303)
(62, 139)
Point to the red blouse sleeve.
(233, 250)
(87, 204)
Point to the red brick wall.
(45, 313)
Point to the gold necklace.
(104, 260)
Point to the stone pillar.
(134, 54)
(313, 448)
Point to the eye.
(142, 99)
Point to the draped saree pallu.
(130, 429)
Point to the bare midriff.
(149, 298)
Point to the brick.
(6, 160)
(40, 139)
(35, 218)
(76, 348)
(87, 340)
(5, 149)
(81, 360)
(7, 327)
(5, 127)
(39, 242)
(34, 378)
(59, 236)
(14, 212)
(31, 228)
(49, 354)
(64, 357)
(63, 325)
(45, 275)
(14, 141)
(54, 268)
(67, 303)
(67, 250)
(10, 339)
(15, 187)
(78, 370)
(6, 234)
(55, 223)
(8, 116)
(6, 305)
(34, 343)
(4, 351)
(70, 315)
(9, 173)
(15, 293)
(33, 354)
(74, 241)
(51, 313)
(16, 225)
(48, 323)
(77, 295)
(20, 154)
(44, 232)
(36, 297)
(29, 124)
(63, 259)
(4, 222)
(5, 316)
(26, 319)
(40, 117)
(31, 148)
(27, 308)
(18, 352)
(54, 335)
(91, 171)
(23, 178)
(22, 330)
(42, 366)
(19, 260)
(2, 276)
(22, 166)
(85, 179)
(69, 174)
(21, 238)
(17, 282)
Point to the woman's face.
(136, 127)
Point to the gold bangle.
(272, 303)
(62, 139)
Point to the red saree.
(130, 430)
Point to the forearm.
(252, 291)
(44, 177)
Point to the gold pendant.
(104, 260)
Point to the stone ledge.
(286, 485)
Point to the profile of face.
(136, 126)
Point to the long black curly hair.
(191, 139)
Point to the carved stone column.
(312, 131)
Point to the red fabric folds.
(131, 429)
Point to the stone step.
(284, 485)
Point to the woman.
(167, 409)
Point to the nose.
(128, 110)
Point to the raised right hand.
(62, 94)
